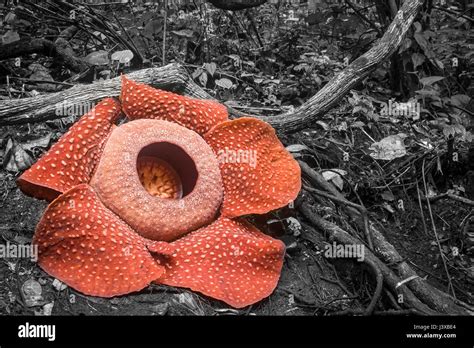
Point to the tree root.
(433, 299)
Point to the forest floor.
(309, 284)
(297, 60)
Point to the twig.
(8, 87)
(335, 233)
(338, 283)
(46, 47)
(461, 108)
(450, 285)
(392, 312)
(438, 278)
(42, 81)
(453, 13)
(360, 208)
(128, 36)
(392, 299)
(108, 3)
(425, 229)
(240, 23)
(243, 107)
(451, 196)
(164, 33)
(363, 17)
(378, 289)
(220, 72)
(254, 27)
(383, 252)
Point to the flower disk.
(140, 203)
(117, 181)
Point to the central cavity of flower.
(159, 178)
(165, 170)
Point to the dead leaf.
(17, 159)
(97, 58)
(9, 37)
(224, 83)
(123, 57)
(297, 148)
(388, 196)
(183, 33)
(389, 148)
(31, 292)
(334, 175)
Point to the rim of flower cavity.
(161, 178)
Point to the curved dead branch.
(175, 78)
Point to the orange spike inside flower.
(142, 101)
(228, 260)
(86, 246)
(259, 175)
(159, 178)
(71, 161)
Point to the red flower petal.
(142, 101)
(228, 260)
(259, 175)
(86, 246)
(72, 159)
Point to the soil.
(309, 284)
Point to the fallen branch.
(43, 107)
(43, 46)
(335, 233)
(302, 117)
(450, 196)
(378, 289)
(361, 209)
(433, 297)
(342, 83)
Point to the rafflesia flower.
(161, 198)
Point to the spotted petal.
(259, 175)
(71, 161)
(86, 246)
(228, 260)
(142, 101)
